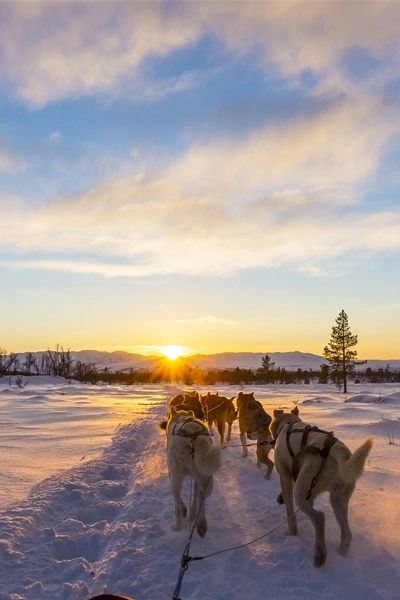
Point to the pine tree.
(265, 372)
(339, 354)
(267, 364)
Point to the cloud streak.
(282, 196)
(52, 51)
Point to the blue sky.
(217, 175)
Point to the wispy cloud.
(315, 271)
(55, 137)
(73, 49)
(6, 163)
(10, 164)
(284, 195)
(76, 49)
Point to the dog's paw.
(292, 532)
(344, 548)
(201, 528)
(319, 560)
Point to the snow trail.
(105, 526)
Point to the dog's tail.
(207, 457)
(351, 466)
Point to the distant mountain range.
(124, 361)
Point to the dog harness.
(330, 440)
(180, 431)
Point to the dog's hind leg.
(180, 507)
(194, 504)
(287, 495)
(340, 495)
(270, 466)
(318, 520)
(199, 499)
(221, 429)
(244, 445)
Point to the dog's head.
(192, 402)
(243, 398)
(231, 412)
(282, 418)
(178, 399)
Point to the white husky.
(317, 462)
(191, 452)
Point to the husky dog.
(192, 401)
(317, 462)
(190, 452)
(265, 444)
(252, 417)
(255, 424)
(219, 411)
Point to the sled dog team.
(308, 460)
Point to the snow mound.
(374, 399)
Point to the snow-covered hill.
(124, 361)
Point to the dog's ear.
(252, 393)
(190, 413)
(173, 411)
(278, 412)
(295, 411)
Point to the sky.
(97, 515)
(220, 176)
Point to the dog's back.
(340, 463)
(189, 445)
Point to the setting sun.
(172, 352)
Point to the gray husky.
(191, 452)
(310, 461)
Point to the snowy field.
(85, 504)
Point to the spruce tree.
(266, 364)
(339, 353)
(265, 372)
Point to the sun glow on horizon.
(173, 352)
